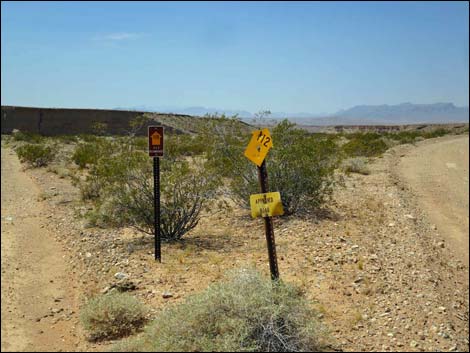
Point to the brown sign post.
(155, 136)
(256, 151)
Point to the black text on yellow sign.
(259, 146)
(266, 205)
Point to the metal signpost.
(155, 136)
(266, 204)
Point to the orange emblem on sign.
(156, 138)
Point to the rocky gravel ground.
(379, 274)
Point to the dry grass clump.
(247, 312)
(112, 315)
(355, 165)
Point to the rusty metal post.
(268, 224)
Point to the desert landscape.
(384, 262)
(211, 176)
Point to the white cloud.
(118, 36)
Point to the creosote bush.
(369, 144)
(112, 315)
(246, 312)
(26, 136)
(37, 155)
(300, 165)
(184, 193)
(88, 153)
(120, 185)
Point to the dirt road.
(437, 172)
(39, 304)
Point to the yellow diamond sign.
(266, 205)
(260, 143)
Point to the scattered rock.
(121, 275)
(167, 295)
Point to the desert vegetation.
(112, 315)
(200, 172)
(200, 168)
(245, 312)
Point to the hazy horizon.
(308, 57)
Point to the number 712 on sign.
(259, 146)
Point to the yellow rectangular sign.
(266, 205)
(259, 146)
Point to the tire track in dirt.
(437, 172)
(39, 305)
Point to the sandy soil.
(438, 175)
(39, 301)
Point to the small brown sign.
(155, 141)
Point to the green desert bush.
(184, 194)
(37, 155)
(369, 144)
(87, 153)
(300, 166)
(184, 145)
(403, 137)
(355, 165)
(26, 136)
(246, 312)
(121, 188)
(112, 315)
(110, 170)
(436, 133)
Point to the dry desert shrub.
(355, 165)
(246, 312)
(112, 315)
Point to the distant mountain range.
(405, 113)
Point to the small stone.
(440, 244)
(88, 255)
(167, 295)
(413, 344)
(121, 275)
(358, 280)
(391, 224)
(409, 216)
(354, 247)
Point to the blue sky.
(282, 56)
